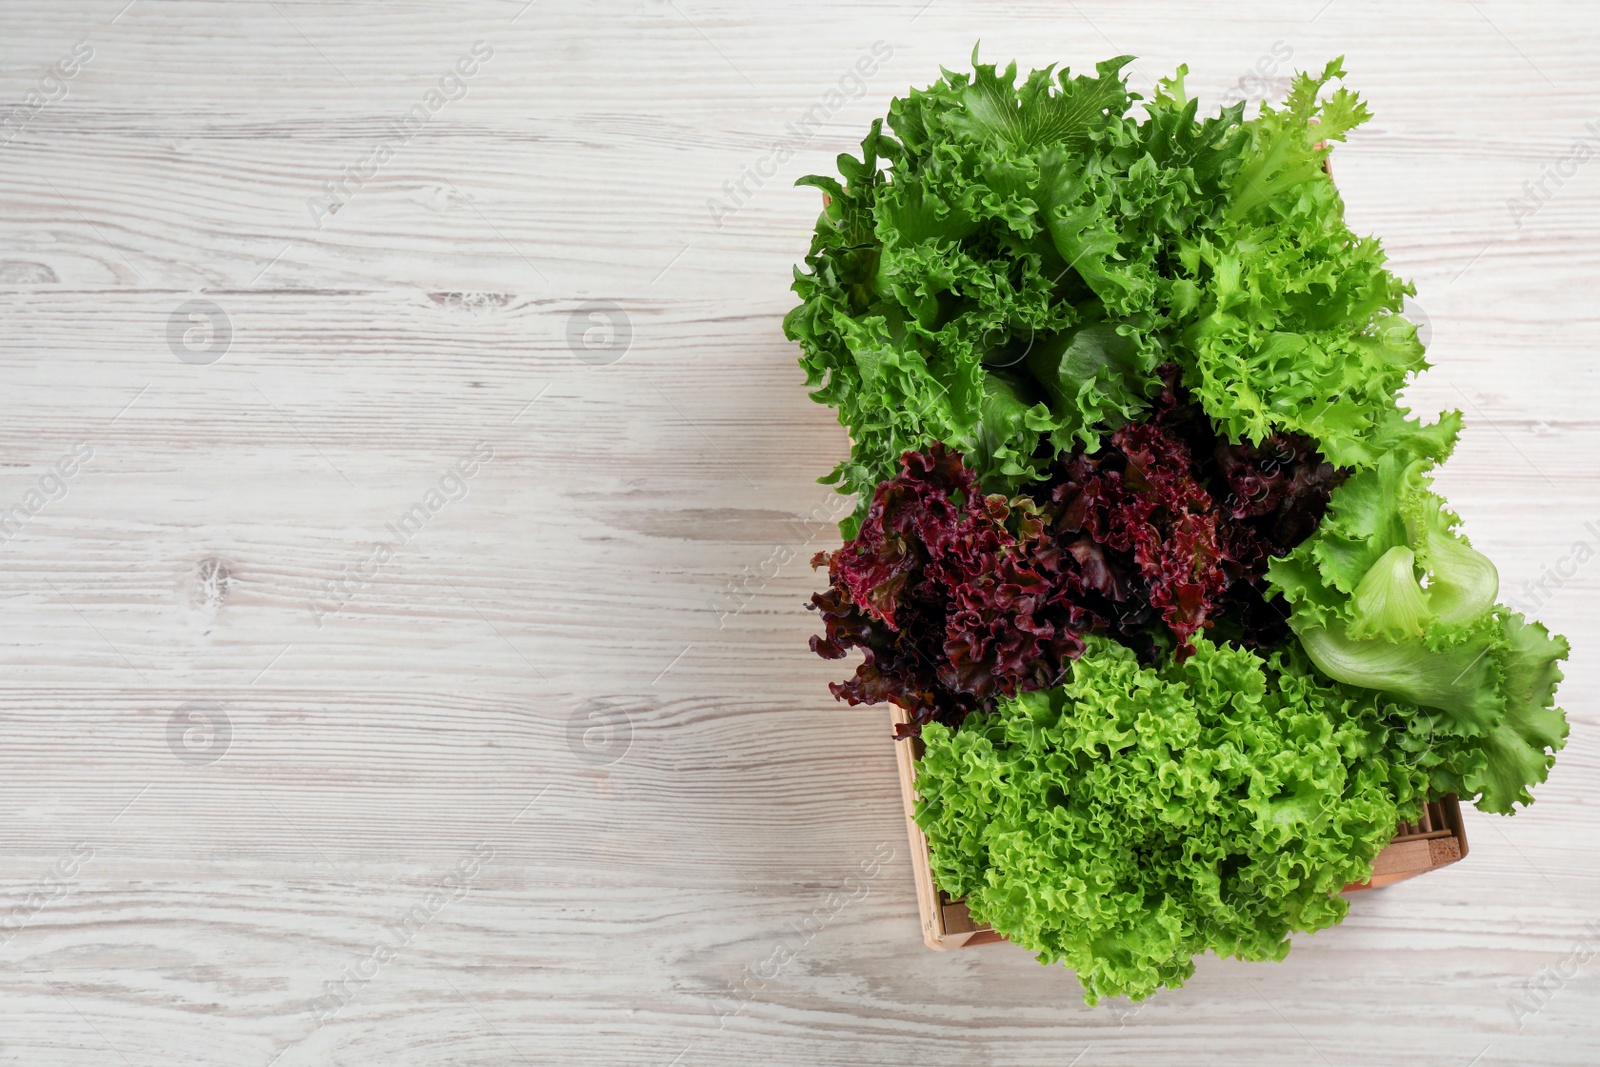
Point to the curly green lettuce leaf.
(1137, 817)
(1388, 595)
(1005, 273)
(1462, 679)
(1298, 325)
(1041, 111)
(996, 275)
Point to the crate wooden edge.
(947, 925)
(945, 922)
(1428, 849)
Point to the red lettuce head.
(956, 599)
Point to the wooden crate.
(1435, 840)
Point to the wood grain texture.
(585, 677)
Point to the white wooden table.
(384, 683)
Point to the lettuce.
(1298, 326)
(1144, 543)
(1137, 817)
(1006, 270)
(1390, 596)
(955, 598)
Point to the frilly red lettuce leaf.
(957, 599)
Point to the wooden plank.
(595, 661)
(934, 929)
